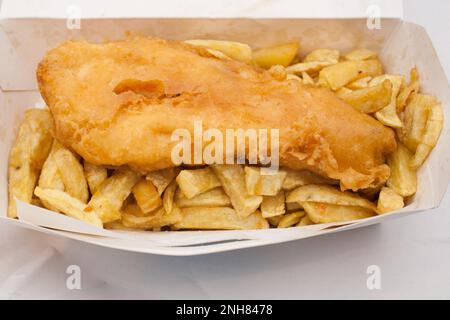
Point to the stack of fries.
(45, 173)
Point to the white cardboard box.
(26, 34)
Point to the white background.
(413, 253)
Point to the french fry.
(370, 99)
(133, 209)
(108, 199)
(117, 225)
(307, 80)
(232, 178)
(22, 180)
(360, 54)
(194, 182)
(278, 72)
(146, 195)
(389, 200)
(35, 201)
(28, 154)
(291, 76)
(273, 205)
(282, 54)
(263, 184)
(305, 221)
(162, 178)
(212, 198)
(359, 84)
(403, 178)
(235, 50)
(415, 118)
(168, 197)
(342, 73)
(297, 178)
(34, 139)
(95, 175)
(156, 220)
(326, 213)
(412, 87)
(323, 55)
(72, 173)
(218, 54)
(68, 205)
(388, 115)
(291, 219)
(274, 221)
(433, 130)
(50, 178)
(328, 194)
(220, 218)
(308, 67)
(293, 206)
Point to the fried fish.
(117, 103)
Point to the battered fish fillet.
(118, 103)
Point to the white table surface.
(413, 253)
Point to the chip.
(291, 219)
(388, 115)
(360, 54)
(68, 205)
(328, 194)
(308, 67)
(278, 72)
(212, 198)
(72, 173)
(146, 195)
(389, 200)
(168, 197)
(293, 206)
(162, 178)
(108, 199)
(28, 154)
(194, 182)
(305, 221)
(282, 54)
(232, 178)
(235, 50)
(156, 220)
(403, 178)
(415, 118)
(370, 99)
(261, 184)
(221, 218)
(359, 84)
(274, 221)
(326, 213)
(273, 205)
(50, 178)
(412, 87)
(297, 178)
(342, 73)
(306, 79)
(323, 55)
(433, 130)
(95, 175)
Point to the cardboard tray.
(24, 41)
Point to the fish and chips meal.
(350, 136)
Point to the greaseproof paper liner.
(401, 46)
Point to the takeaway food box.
(25, 36)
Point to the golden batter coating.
(118, 103)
